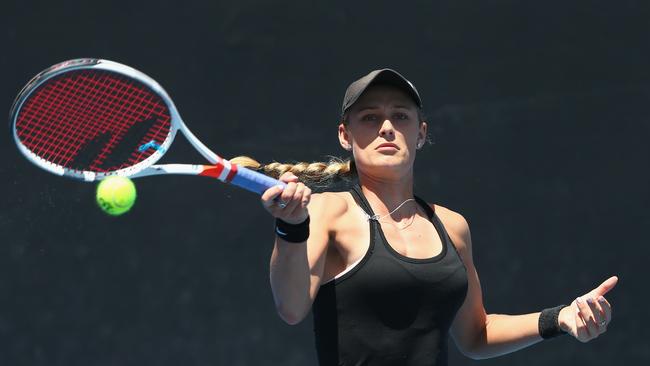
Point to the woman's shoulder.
(331, 204)
(447, 213)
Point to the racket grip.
(254, 181)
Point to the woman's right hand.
(288, 204)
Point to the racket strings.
(42, 112)
(85, 120)
(119, 106)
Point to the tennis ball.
(116, 195)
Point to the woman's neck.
(384, 195)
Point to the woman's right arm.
(296, 269)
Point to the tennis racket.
(90, 118)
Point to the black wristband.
(548, 322)
(297, 233)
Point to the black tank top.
(390, 309)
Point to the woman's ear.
(422, 135)
(344, 137)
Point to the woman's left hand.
(588, 316)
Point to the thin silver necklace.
(378, 218)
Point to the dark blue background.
(539, 111)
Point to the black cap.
(383, 76)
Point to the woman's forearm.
(506, 333)
(290, 280)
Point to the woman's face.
(383, 129)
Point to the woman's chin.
(389, 165)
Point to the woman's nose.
(386, 128)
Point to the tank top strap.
(433, 218)
(375, 230)
(365, 206)
(442, 231)
(426, 207)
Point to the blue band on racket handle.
(254, 181)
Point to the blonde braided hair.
(315, 173)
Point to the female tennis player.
(387, 275)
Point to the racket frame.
(221, 169)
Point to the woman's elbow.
(291, 316)
(470, 352)
(475, 355)
(470, 348)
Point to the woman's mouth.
(387, 146)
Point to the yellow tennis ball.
(116, 195)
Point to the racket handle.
(254, 181)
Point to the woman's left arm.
(479, 335)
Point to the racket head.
(91, 118)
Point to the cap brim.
(383, 76)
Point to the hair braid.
(315, 173)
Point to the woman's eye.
(395, 117)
